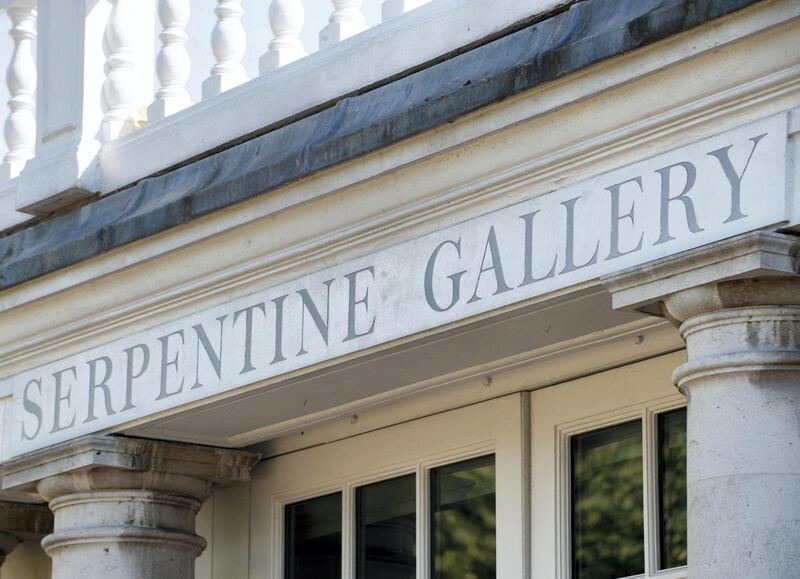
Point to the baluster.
(228, 42)
(120, 91)
(392, 8)
(286, 19)
(345, 21)
(20, 126)
(172, 64)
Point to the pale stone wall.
(27, 561)
(224, 522)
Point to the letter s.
(31, 407)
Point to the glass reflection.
(672, 488)
(607, 503)
(313, 539)
(463, 520)
(386, 529)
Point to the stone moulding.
(215, 465)
(750, 281)
(747, 255)
(586, 33)
(726, 365)
(63, 540)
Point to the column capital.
(21, 522)
(125, 507)
(89, 460)
(758, 268)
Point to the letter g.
(454, 278)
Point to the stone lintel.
(758, 254)
(215, 465)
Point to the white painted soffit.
(564, 328)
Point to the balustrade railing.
(286, 18)
(121, 108)
(228, 41)
(172, 63)
(20, 125)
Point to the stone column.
(21, 522)
(125, 507)
(737, 306)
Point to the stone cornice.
(755, 254)
(215, 465)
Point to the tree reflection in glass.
(463, 520)
(607, 503)
(672, 488)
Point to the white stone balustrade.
(173, 64)
(20, 126)
(286, 19)
(228, 42)
(124, 26)
(80, 107)
(121, 89)
(345, 21)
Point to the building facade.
(487, 289)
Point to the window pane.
(386, 529)
(672, 488)
(314, 539)
(607, 503)
(463, 520)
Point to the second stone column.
(125, 508)
(737, 306)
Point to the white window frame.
(499, 426)
(639, 391)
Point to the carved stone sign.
(719, 187)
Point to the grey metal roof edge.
(587, 32)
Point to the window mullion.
(423, 520)
(650, 457)
(348, 532)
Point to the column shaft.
(125, 534)
(737, 304)
(743, 386)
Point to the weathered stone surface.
(126, 507)
(586, 33)
(757, 254)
